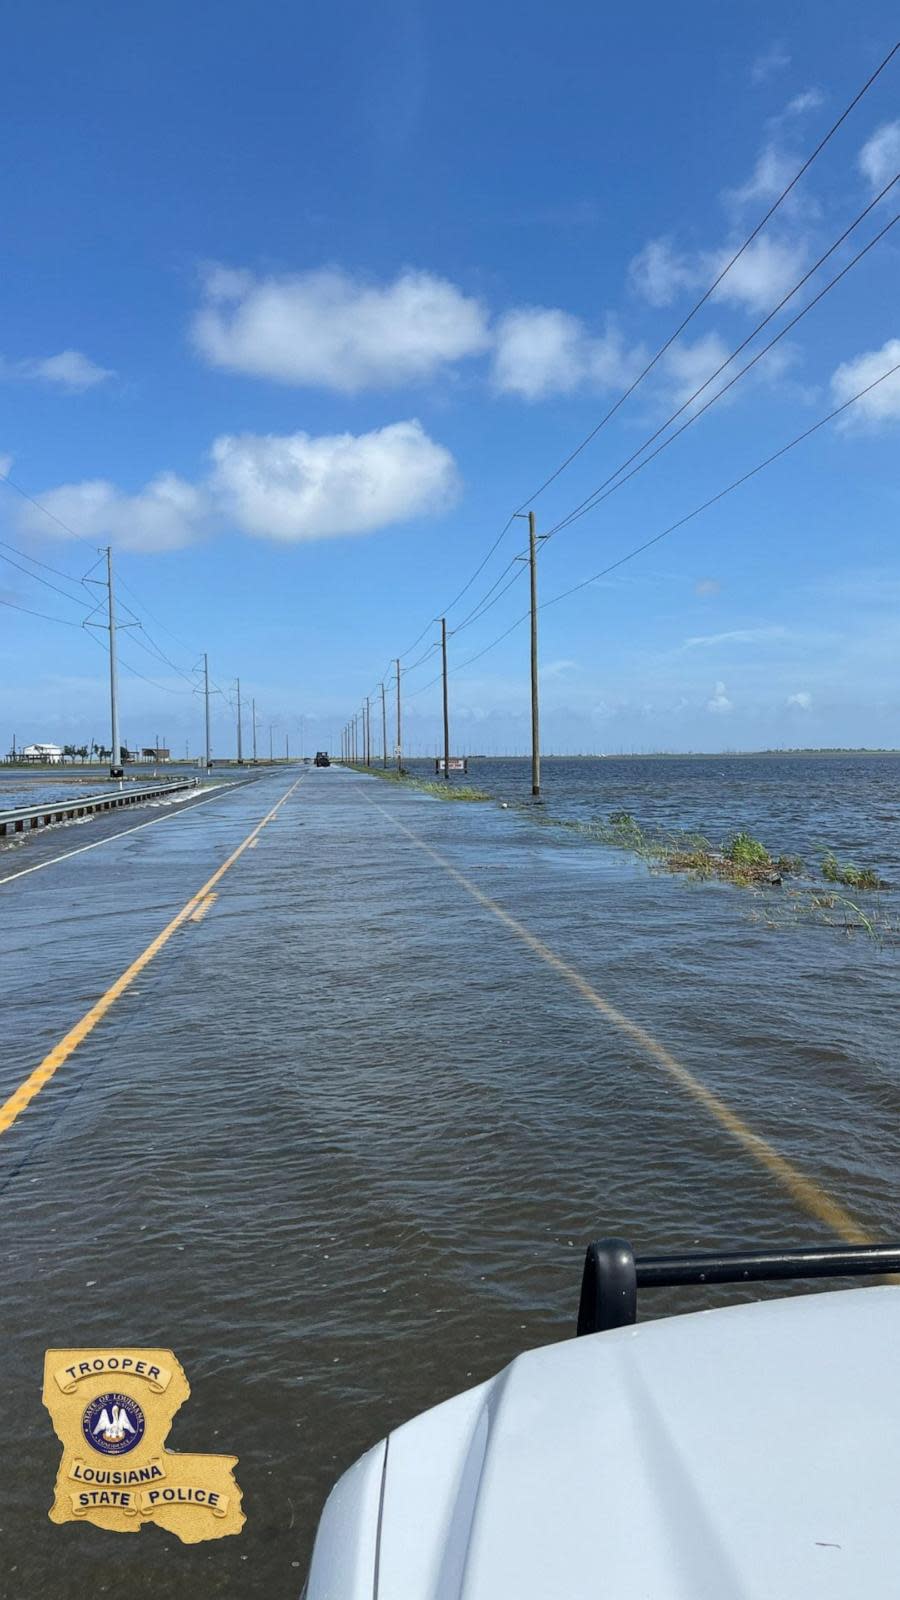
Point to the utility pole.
(399, 740)
(383, 729)
(253, 714)
(206, 697)
(240, 753)
(535, 716)
(446, 707)
(115, 768)
(368, 733)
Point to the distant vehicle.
(322, 759)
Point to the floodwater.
(343, 1142)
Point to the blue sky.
(300, 303)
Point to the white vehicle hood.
(743, 1454)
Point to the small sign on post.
(457, 764)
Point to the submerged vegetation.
(845, 872)
(748, 863)
(441, 790)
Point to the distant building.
(155, 753)
(49, 753)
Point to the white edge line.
(111, 838)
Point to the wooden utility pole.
(399, 740)
(206, 703)
(368, 733)
(446, 704)
(383, 729)
(535, 716)
(240, 752)
(115, 765)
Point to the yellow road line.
(808, 1194)
(60, 1053)
(206, 905)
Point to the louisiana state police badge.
(112, 1410)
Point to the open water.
(342, 1143)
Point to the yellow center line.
(60, 1053)
(205, 905)
(807, 1194)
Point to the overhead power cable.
(609, 487)
(699, 304)
(46, 582)
(707, 295)
(680, 523)
(44, 615)
(57, 571)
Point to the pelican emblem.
(113, 1428)
(113, 1424)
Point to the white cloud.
(659, 272)
(773, 172)
(762, 275)
(166, 514)
(879, 158)
(328, 328)
(809, 100)
(299, 487)
(706, 587)
(541, 350)
(770, 62)
(69, 370)
(720, 702)
(6, 466)
(558, 669)
(687, 365)
(736, 636)
(802, 700)
(882, 406)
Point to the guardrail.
(36, 816)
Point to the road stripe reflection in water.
(805, 1191)
(32, 1086)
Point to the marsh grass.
(440, 791)
(834, 871)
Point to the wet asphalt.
(341, 1144)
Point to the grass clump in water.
(835, 871)
(441, 790)
(450, 791)
(744, 851)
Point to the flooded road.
(341, 1143)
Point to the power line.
(45, 564)
(598, 494)
(653, 362)
(680, 523)
(715, 284)
(744, 478)
(45, 581)
(44, 615)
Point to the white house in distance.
(49, 753)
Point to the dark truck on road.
(322, 759)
